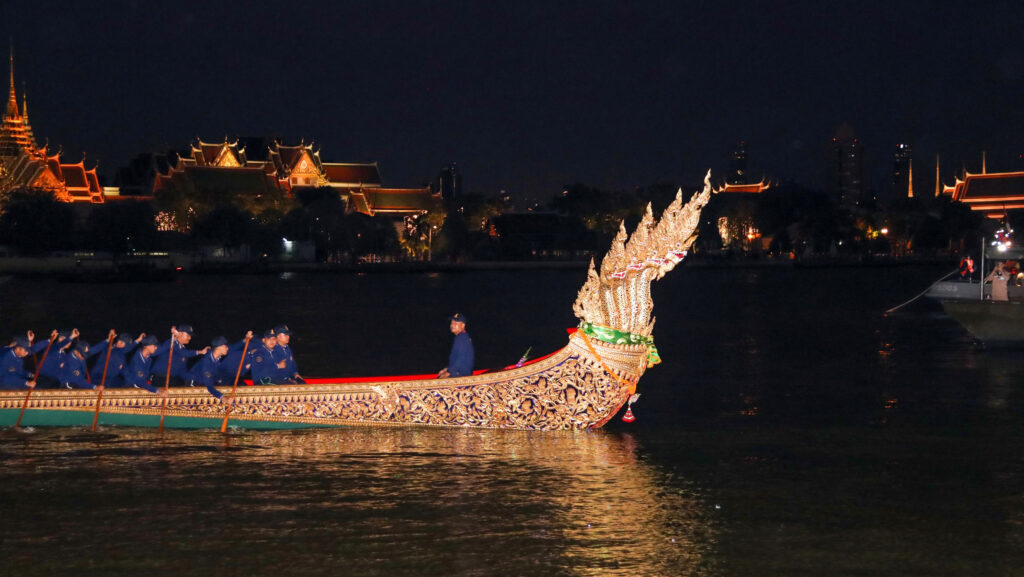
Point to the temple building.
(755, 188)
(26, 165)
(992, 193)
(229, 168)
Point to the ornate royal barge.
(581, 385)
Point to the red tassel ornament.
(628, 417)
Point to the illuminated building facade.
(733, 206)
(226, 167)
(738, 165)
(846, 167)
(902, 171)
(26, 165)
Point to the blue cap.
(63, 333)
(218, 342)
(149, 340)
(269, 334)
(458, 317)
(125, 338)
(82, 347)
(282, 330)
(187, 329)
(22, 342)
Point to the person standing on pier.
(460, 360)
(999, 278)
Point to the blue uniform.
(73, 372)
(95, 350)
(136, 374)
(460, 361)
(179, 362)
(290, 372)
(51, 366)
(205, 373)
(228, 368)
(39, 346)
(115, 366)
(12, 371)
(263, 367)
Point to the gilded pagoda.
(26, 165)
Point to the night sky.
(529, 97)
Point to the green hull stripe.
(49, 418)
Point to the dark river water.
(792, 429)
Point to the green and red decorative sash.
(616, 337)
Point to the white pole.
(981, 295)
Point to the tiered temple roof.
(755, 188)
(993, 193)
(27, 165)
(217, 167)
(225, 166)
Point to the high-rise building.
(449, 183)
(902, 166)
(738, 165)
(846, 167)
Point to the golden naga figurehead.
(619, 297)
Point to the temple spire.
(12, 100)
(910, 179)
(938, 182)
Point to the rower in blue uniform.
(261, 360)
(287, 372)
(460, 360)
(205, 371)
(37, 347)
(73, 373)
(228, 368)
(181, 336)
(12, 366)
(48, 375)
(136, 374)
(123, 346)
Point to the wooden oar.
(36, 379)
(103, 379)
(167, 382)
(238, 373)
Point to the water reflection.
(378, 501)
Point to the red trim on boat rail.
(411, 377)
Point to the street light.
(430, 242)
